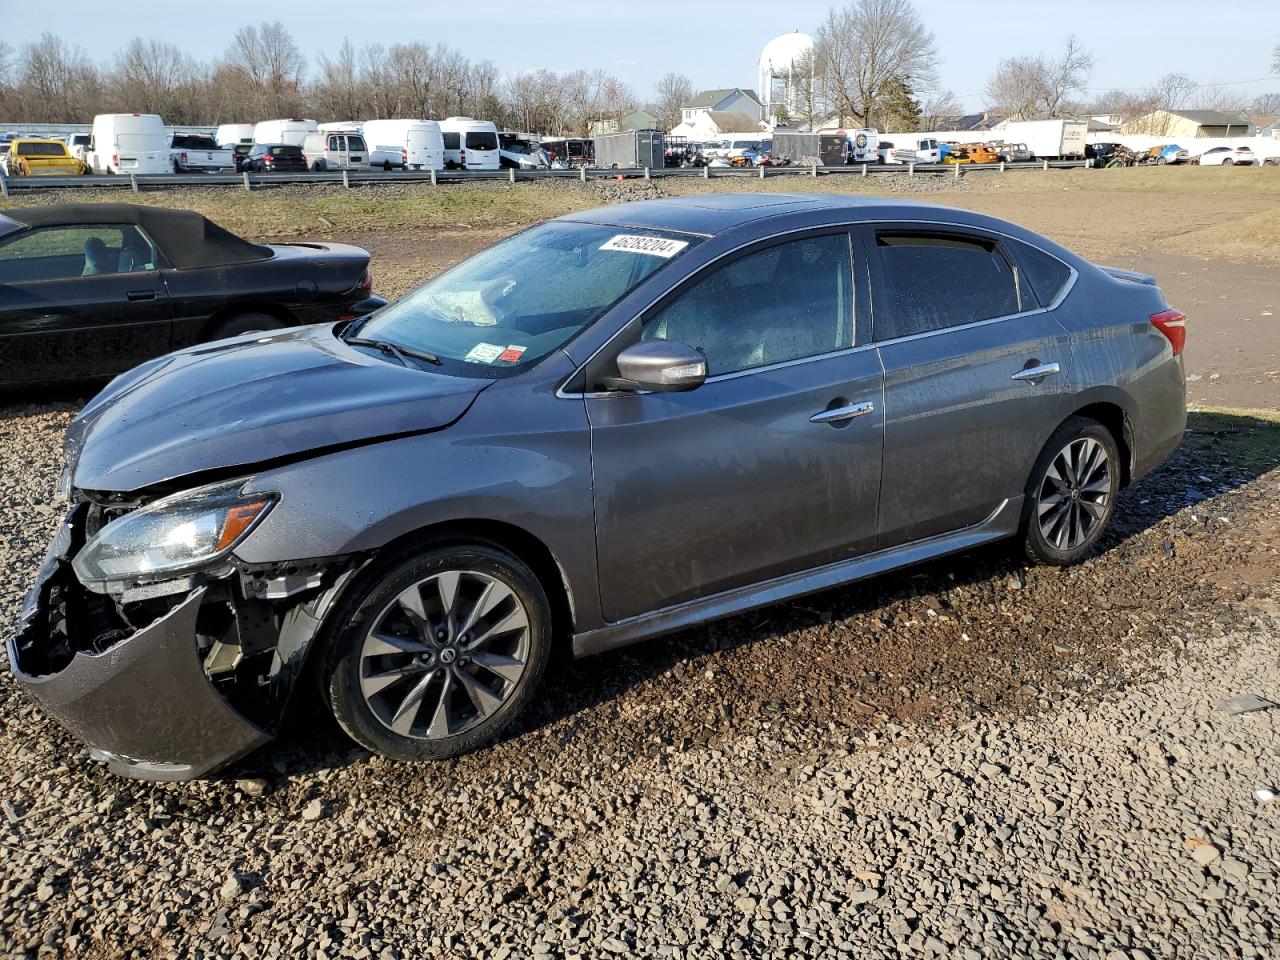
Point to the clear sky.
(714, 42)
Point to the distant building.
(714, 113)
(1267, 126)
(639, 120)
(970, 121)
(1190, 124)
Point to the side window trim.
(1027, 303)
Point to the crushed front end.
(167, 677)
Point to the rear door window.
(452, 141)
(931, 281)
(482, 141)
(1045, 275)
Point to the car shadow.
(1221, 452)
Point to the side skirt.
(1003, 522)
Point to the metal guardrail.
(351, 178)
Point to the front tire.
(440, 653)
(243, 323)
(1071, 494)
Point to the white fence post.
(865, 171)
(813, 171)
(1002, 166)
(433, 176)
(706, 172)
(4, 186)
(911, 169)
(346, 182)
(246, 181)
(762, 170)
(582, 172)
(1046, 164)
(133, 182)
(512, 171)
(646, 173)
(958, 166)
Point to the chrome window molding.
(1067, 287)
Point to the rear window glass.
(482, 141)
(355, 143)
(41, 150)
(931, 282)
(286, 151)
(451, 141)
(192, 142)
(1045, 275)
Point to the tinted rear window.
(192, 142)
(356, 143)
(930, 282)
(41, 150)
(451, 141)
(482, 141)
(1045, 275)
(286, 151)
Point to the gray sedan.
(611, 426)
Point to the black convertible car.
(87, 291)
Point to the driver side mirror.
(661, 366)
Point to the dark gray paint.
(659, 510)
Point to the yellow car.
(29, 157)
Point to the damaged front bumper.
(168, 689)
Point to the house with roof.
(635, 120)
(1191, 124)
(714, 113)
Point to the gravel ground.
(972, 759)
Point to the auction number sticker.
(484, 353)
(654, 246)
(512, 354)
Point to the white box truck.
(128, 143)
(229, 134)
(407, 144)
(290, 132)
(1048, 139)
(470, 144)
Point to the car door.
(975, 371)
(772, 466)
(79, 302)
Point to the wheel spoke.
(513, 619)
(1051, 502)
(380, 643)
(484, 699)
(375, 683)
(447, 585)
(439, 726)
(410, 602)
(508, 668)
(1096, 510)
(402, 720)
(494, 594)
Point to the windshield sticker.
(484, 353)
(512, 354)
(654, 246)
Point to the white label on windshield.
(654, 246)
(484, 353)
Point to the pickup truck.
(34, 157)
(194, 153)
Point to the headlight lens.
(174, 535)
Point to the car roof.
(187, 239)
(711, 214)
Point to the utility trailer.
(1048, 139)
(809, 149)
(631, 150)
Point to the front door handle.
(142, 295)
(841, 414)
(1038, 372)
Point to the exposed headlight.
(172, 536)
(63, 490)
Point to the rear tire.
(428, 664)
(243, 323)
(1071, 493)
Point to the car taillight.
(462, 157)
(115, 159)
(1174, 326)
(404, 158)
(184, 156)
(366, 282)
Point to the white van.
(407, 144)
(470, 144)
(910, 148)
(863, 146)
(335, 150)
(229, 134)
(128, 143)
(291, 132)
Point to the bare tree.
(1266, 104)
(937, 106)
(1275, 59)
(338, 92)
(272, 67)
(1028, 87)
(152, 76)
(866, 48)
(672, 93)
(57, 81)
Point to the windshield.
(516, 302)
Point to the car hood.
(252, 400)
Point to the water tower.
(786, 76)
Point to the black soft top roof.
(186, 238)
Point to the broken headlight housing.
(177, 535)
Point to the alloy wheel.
(444, 655)
(1075, 494)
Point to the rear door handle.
(841, 414)
(1037, 373)
(142, 295)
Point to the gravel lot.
(972, 759)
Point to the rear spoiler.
(1130, 275)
